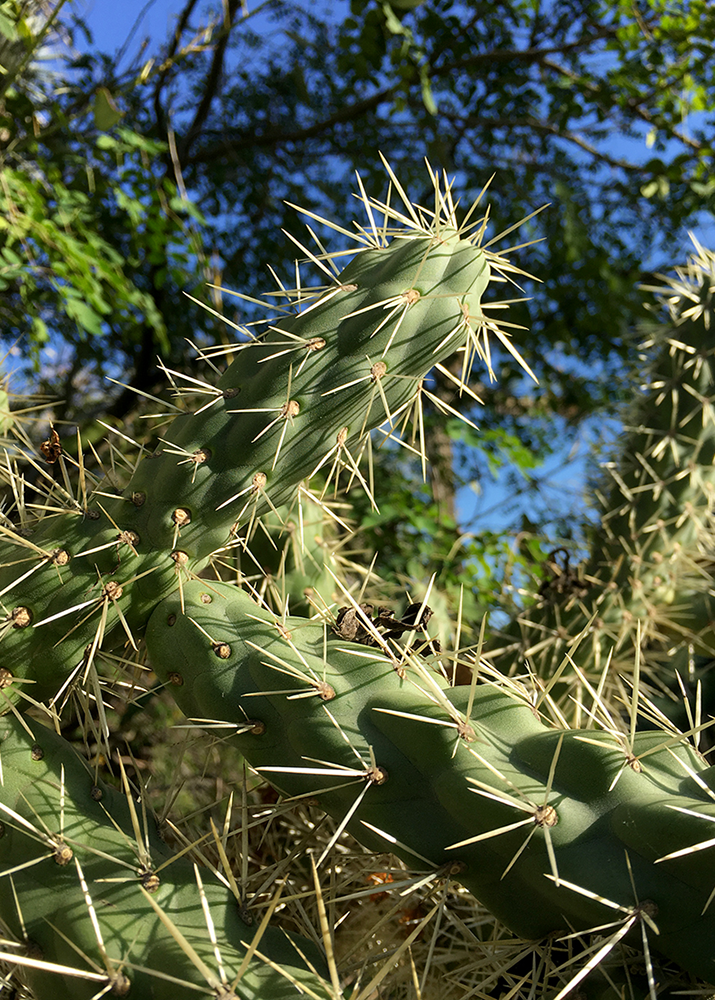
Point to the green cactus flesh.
(549, 828)
(306, 392)
(647, 579)
(62, 827)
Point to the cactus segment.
(467, 780)
(347, 359)
(83, 882)
(647, 581)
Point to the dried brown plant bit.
(564, 580)
(222, 650)
(378, 370)
(60, 557)
(379, 878)
(181, 517)
(113, 590)
(51, 449)
(63, 854)
(416, 616)
(351, 625)
(20, 617)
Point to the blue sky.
(110, 21)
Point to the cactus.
(296, 405)
(467, 779)
(552, 826)
(88, 876)
(300, 399)
(647, 580)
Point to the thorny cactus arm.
(85, 564)
(88, 886)
(549, 828)
(650, 564)
(298, 400)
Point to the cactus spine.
(469, 779)
(552, 827)
(298, 399)
(647, 581)
(86, 876)
(297, 404)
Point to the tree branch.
(159, 114)
(276, 137)
(212, 83)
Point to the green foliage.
(112, 186)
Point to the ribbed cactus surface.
(555, 828)
(549, 828)
(84, 877)
(300, 398)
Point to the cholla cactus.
(81, 572)
(297, 401)
(647, 583)
(549, 827)
(554, 827)
(98, 905)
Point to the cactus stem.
(701, 846)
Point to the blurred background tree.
(131, 177)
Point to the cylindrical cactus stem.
(300, 553)
(98, 905)
(297, 401)
(647, 577)
(549, 828)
